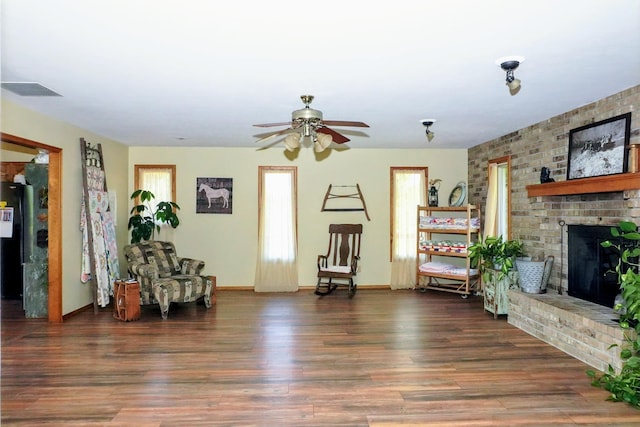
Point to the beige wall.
(228, 243)
(27, 124)
(15, 153)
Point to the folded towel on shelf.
(444, 268)
(435, 267)
(461, 271)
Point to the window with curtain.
(497, 211)
(161, 181)
(277, 264)
(408, 190)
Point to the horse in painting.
(215, 193)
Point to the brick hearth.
(580, 328)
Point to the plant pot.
(534, 275)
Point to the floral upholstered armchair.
(164, 277)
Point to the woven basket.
(533, 276)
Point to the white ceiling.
(200, 73)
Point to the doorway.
(54, 222)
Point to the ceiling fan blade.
(267, 146)
(337, 138)
(345, 123)
(266, 125)
(264, 138)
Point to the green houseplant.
(145, 220)
(624, 386)
(495, 253)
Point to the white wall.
(28, 124)
(228, 243)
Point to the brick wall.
(536, 220)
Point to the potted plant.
(145, 220)
(624, 386)
(495, 253)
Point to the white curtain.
(277, 264)
(502, 205)
(491, 208)
(409, 191)
(159, 182)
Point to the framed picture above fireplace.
(599, 148)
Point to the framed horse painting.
(214, 195)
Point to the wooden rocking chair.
(339, 266)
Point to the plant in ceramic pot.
(624, 386)
(495, 253)
(145, 219)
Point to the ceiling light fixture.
(427, 123)
(509, 64)
(308, 123)
(322, 142)
(292, 141)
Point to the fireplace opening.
(591, 268)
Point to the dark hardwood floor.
(383, 358)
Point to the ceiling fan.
(308, 122)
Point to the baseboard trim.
(301, 288)
(77, 311)
(222, 288)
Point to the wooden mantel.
(596, 184)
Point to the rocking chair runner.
(339, 266)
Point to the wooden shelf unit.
(595, 184)
(442, 281)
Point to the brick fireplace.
(537, 220)
(583, 329)
(541, 222)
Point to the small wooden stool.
(126, 300)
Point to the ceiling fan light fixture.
(322, 142)
(292, 141)
(308, 123)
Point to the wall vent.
(28, 89)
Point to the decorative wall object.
(545, 175)
(214, 195)
(344, 196)
(600, 148)
(458, 194)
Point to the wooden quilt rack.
(91, 156)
